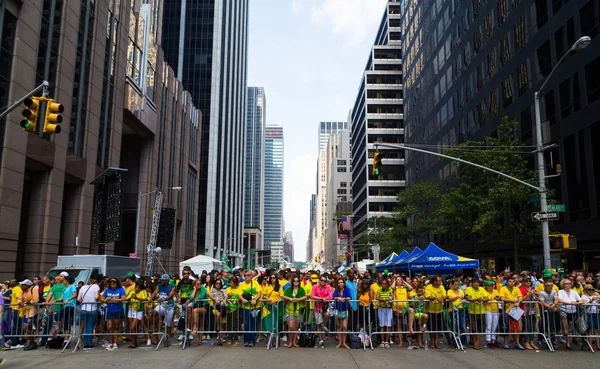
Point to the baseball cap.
(547, 273)
(26, 282)
(65, 274)
(130, 275)
(165, 277)
(489, 283)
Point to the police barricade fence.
(577, 323)
(38, 324)
(522, 325)
(202, 320)
(414, 320)
(310, 323)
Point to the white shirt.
(88, 297)
(592, 308)
(573, 296)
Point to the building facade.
(339, 180)
(255, 159)
(468, 64)
(206, 41)
(377, 116)
(288, 246)
(123, 108)
(326, 129)
(273, 204)
(312, 228)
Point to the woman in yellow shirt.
(491, 314)
(477, 298)
(272, 293)
(456, 310)
(365, 295)
(401, 308)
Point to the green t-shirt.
(185, 289)
(57, 292)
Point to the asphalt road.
(217, 357)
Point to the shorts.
(318, 318)
(132, 314)
(419, 316)
(294, 318)
(384, 315)
(113, 315)
(593, 321)
(436, 322)
(342, 315)
(513, 325)
(67, 316)
(29, 320)
(200, 304)
(166, 313)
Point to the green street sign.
(557, 207)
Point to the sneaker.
(8, 344)
(115, 347)
(105, 343)
(149, 343)
(562, 340)
(181, 337)
(518, 346)
(250, 345)
(30, 346)
(284, 339)
(321, 343)
(325, 329)
(19, 346)
(506, 347)
(387, 345)
(190, 337)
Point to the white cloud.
(297, 6)
(299, 182)
(354, 19)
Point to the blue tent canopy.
(397, 262)
(389, 261)
(435, 259)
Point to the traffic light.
(30, 115)
(53, 117)
(562, 241)
(377, 157)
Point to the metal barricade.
(412, 317)
(29, 323)
(311, 322)
(580, 321)
(205, 320)
(131, 321)
(522, 323)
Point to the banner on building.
(344, 224)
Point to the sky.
(310, 56)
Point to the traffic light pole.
(541, 190)
(43, 86)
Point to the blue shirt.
(69, 291)
(114, 294)
(163, 293)
(341, 306)
(352, 287)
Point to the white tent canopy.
(200, 263)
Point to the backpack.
(356, 342)
(55, 343)
(308, 339)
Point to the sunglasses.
(273, 277)
(247, 275)
(323, 280)
(186, 273)
(296, 281)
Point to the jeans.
(458, 324)
(491, 324)
(16, 326)
(89, 322)
(250, 324)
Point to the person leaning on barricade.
(295, 297)
(492, 314)
(402, 310)
(511, 297)
(528, 320)
(321, 293)
(548, 297)
(164, 295)
(137, 300)
(114, 296)
(568, 300)
(250, 297)
(384, 314)
(88, 300)
(341, 296)
(456, 310)
(436, 294)
(272, 293)
(591, 298)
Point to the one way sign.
(539, 216)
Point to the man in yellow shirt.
(477, 297)
(436, 293)
(547, 277)
(512, 297)
(251, 294)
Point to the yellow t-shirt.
(375, 288)
(540, 288)
(412, 294)
(435, 307)
(14, 300)
(456, 304)
(476, 307)
(253, 288)
(400, 293)
(492, 305)
(136, 300)
(365, 299)
(506, 293)
(308, 289)
(233, 295)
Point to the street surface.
(240, 357)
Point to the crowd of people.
(524, 310)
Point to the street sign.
(539, 216)
(557, 207)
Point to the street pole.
(137, 222)
(542, 183)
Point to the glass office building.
(206, 42)
(468, 64)
(273, 204)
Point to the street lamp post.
(582, 43)
(138, 215)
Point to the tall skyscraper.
(326, 129)
(255, 159)
(206, 41)
(273, 204)
(483, 62)
(377, 116)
